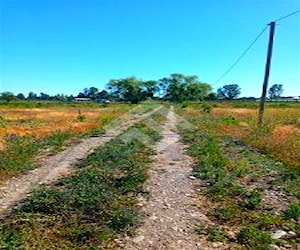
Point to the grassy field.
(89, 209)
(249, 180)
(44, 121)
(26, 131)
(247, 195)
(279, 136)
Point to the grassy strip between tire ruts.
(89, 209)
(233, 178)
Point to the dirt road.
(57, 166)
(170, 214)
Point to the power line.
(284, 17)
(241, 56)
(249, 47)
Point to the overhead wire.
(249, 47)
(284, 17)
(241, 56)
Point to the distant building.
(82, 99)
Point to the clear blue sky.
(63, 46)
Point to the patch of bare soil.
(170, 212)
(57, 166)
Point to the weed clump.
(213, 233)
(253, 199)
(254, 238)
(226, 213)
(293, 210)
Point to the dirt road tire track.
(170, 213)
(57, 166)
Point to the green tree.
(211, 97)
(179, 88)
(275, 91)
(128, 89)
(7, 96)
(44, 96)
(229, 92)
(91, 92)
(103, 95)
(20, 96)
(32, 96)
(150, 88)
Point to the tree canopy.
(179, 88)
(7, 96)
(275, 91)
(175, 88)
(131, 89)
(229, 92)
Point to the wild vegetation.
(249, 174)
(248, 195)
(279, 135)
(25, 132)
(92, 207)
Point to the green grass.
(293, 210)
(234, 178)
(213, 233)
(89, 209)
(19, 152)
(254, 238)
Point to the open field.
(247, 195)
(279, 135)
(210, 178)
(89, 209)
(42, 122)
(25, 132)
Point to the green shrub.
(10, 238)
(57, 140)
(124, 219)
(293, 210)
(254, 238)
(217, 234)
(214, 233)
(81, 118)
(226, 213)
(253, 199)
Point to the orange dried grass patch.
(282, 133)
(43, 122)
(240, 113)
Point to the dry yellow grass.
(41, 122)
(279, 136)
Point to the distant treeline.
(175, 88)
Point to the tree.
(92, 93)
(211, 97)
(275, 91)
(7, 96)
(32, 96)
(20, 96)
(130, 89)
(103, 95)
(229, 92)
(150, 88)
(44, 96)
(179, 88)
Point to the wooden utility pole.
(267, 73)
